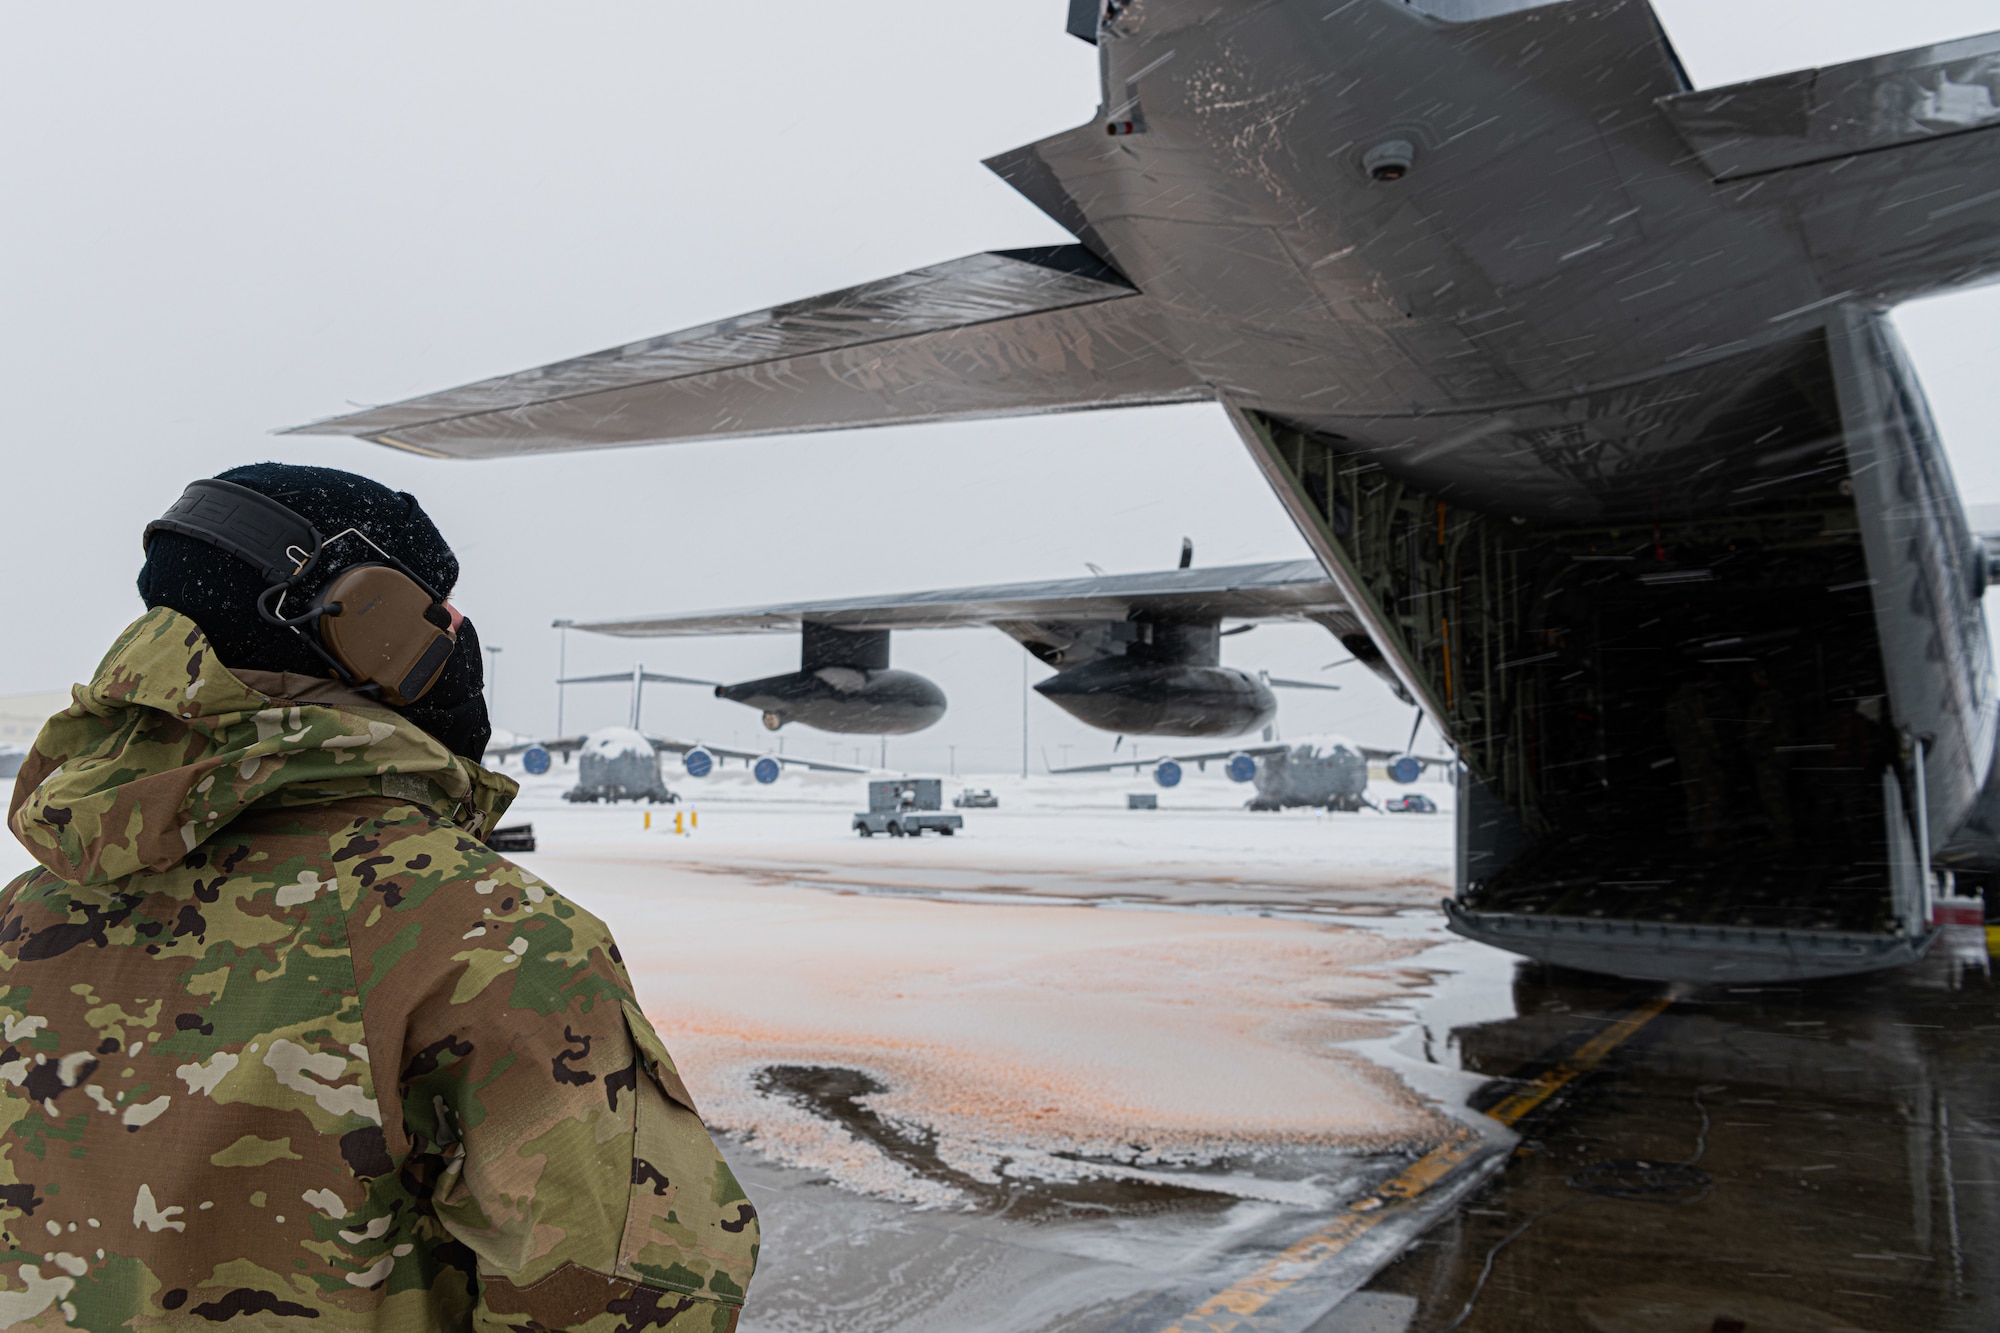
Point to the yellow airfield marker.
(649, 819)
(678, 830)
(1227, 1309)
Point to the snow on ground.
(1044, 827)
(997, 1010)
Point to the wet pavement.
(1590, 1155)
(1812, 1157)
(1819, 1157)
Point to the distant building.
(21, 718)
(22, 715)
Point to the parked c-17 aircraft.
(623, 763)
(1326, 773)
(1580, 383)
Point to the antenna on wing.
(1187, 553)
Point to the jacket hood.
(166, 747)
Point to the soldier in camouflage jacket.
(285, 1043)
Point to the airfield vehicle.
(1411, 803)
(906, 808)
(983, 799)
(512, 838)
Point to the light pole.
(562, 668)
(1024, 717)
(954, 759)
(493, 677)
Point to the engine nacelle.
(535, 759)
(1405, 769)
(859, 701)
(1167, 773)
(1140, 698)
(766, 770)
(1241, 768)
(698, 762)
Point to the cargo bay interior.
(1668, 689)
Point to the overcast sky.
(222, 219)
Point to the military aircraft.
(1137, 654)
(1579, 381)
(623, 763)
(1325, 773)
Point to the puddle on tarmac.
(841, 1095)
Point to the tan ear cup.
(382, 635)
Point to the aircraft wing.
(564, 745)
(1218, 756)
(1007, 333)
(1369, 752)
(668, 745)
(1290, 590)
(626, 677)
(1374, 754)
(1890, 166)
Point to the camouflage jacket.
(284, 1040)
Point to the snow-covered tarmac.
(1129, 1039)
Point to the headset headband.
(392, 642)
(272, 539)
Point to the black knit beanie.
(219, 592)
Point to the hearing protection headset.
(383, 630)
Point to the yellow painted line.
(1227, 1309)
(1587, 1057)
